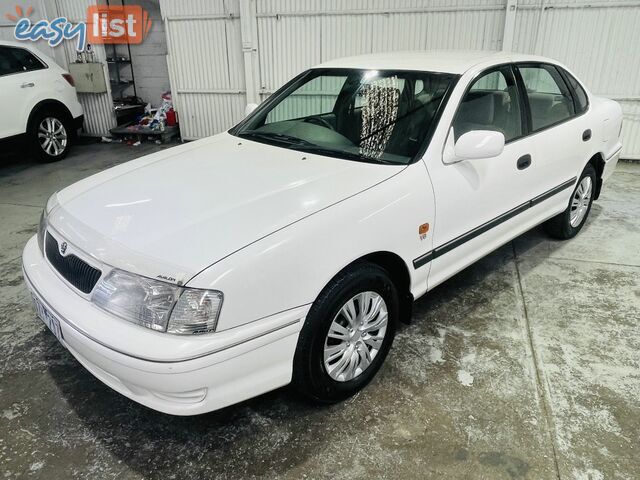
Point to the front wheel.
(347, 334)
(568, 223)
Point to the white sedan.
(287, 249)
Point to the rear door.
(22, 75)
(559, 128)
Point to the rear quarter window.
(582, 101)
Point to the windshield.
(369, 115)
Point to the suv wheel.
(50, 136)
(347, 334)
(568, 223)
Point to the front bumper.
(179, 375)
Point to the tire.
(315, 373)
(567, 224)
(50, 136)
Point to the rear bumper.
(235, 371)
(610, 165)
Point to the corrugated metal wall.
(598, 40)
(98, 108)
(205, 64)
(294, 35)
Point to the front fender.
(290, 267)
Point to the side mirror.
(248, 110)
(475, 145)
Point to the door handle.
(586, 135)
(27, 85)
(524, 162)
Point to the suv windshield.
(368, 115)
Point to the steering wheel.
(321, 122)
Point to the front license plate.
(48, 318)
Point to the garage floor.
(525, 365)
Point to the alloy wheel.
(52, 136)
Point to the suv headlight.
(52, 203)
(158, 305)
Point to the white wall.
(599, 41)
(206, 67)
(149, 58)
(223, 53)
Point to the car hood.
(173, 213)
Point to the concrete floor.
(525, 365)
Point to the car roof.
(443, 61)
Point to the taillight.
(69, 79)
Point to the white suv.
(40, 99)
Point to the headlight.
(158, 305)
(137, 299)
(52, 202)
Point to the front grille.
(77, 272)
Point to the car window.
(580, 95)
(7, 62)
(16, 60)
(491, 103)
(549, 98)
(316, 97)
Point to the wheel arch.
(48, 105)
(597, 160)
(398, 271)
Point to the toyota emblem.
(63, 247)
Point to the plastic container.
(171, 118)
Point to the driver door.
(479, 202)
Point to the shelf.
(118, 60)
(121, 84)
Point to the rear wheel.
(347, 334)
(50, 136)
(568, 223)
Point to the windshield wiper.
(344, 154)
(282, 137)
